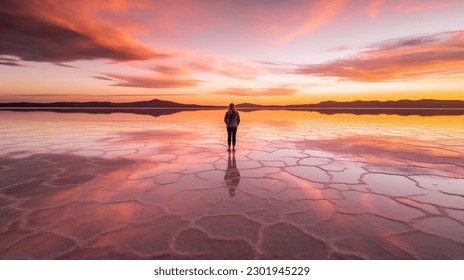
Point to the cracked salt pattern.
(301, 186)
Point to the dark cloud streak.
(33, 35)
(123, 80)
(10, 62)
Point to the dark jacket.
(232, 119)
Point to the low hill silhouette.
(155, 103)
(409, 104)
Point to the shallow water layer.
(301, 185)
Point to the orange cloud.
(374, 7)
(63, 31)
(438, 56)
(124, 80)
(257, 92)
(170, 70)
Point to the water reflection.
(232, 177)
(311, 186)
(156, 112)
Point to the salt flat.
(301, 185)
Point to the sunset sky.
(216, 52)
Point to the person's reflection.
(232, 177)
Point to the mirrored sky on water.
(301, 185)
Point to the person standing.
(232, 120)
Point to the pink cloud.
(318, 15)
(437, 55)
(170, 70)
(374, 7)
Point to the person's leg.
(234, 136)
(229, 136)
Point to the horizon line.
(238, 104)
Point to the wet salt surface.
(300, 186)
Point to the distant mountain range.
(156, 103)
(400, 104)
(156, 107)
